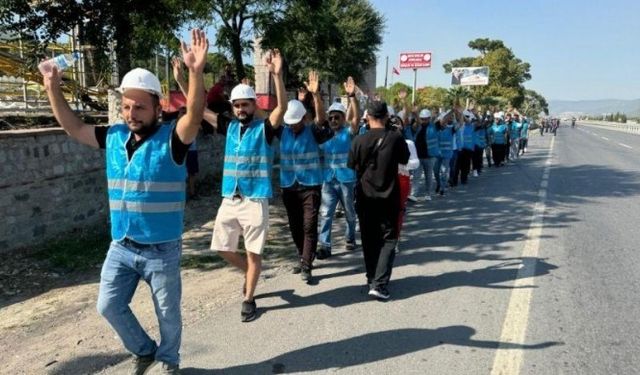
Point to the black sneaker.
(351, 245)
(305, 274)
(380, 293)
(140, 364)
(323, 253)
(248, 311)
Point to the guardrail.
(632, 128)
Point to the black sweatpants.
(498, 152)
(379, 234)
(477, 159)
(302, 209)
(465, 164)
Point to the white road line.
(605, 138)
(627, 146)
(508, 361)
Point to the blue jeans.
(427, 168)
(332, 192)
(442, 167)
(159, 266)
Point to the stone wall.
(50, 184)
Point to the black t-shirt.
(421, 142)
(178, 149)
(375, 156)
(224, 121)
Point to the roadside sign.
(415, 60)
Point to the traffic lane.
(591, 301)
(621, 138)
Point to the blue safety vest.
(499, 134)
(516, 127)
(524, 134)
(459, 139)
(467, 136)
(480, 137)
(146, 193)
(336, 155)
(433, 147)
(407, 133)
(299, 158)
(247, 162)
(445, 142)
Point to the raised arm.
(71, 124)
(350, 88)
(274, 65)
(313, 86)
(194, 59)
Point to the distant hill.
(595, 107)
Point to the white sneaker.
(412, 198)
(475, 173)
(427, 197)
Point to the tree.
(507, 73)
(431, 97)
(534, 104)
(337, 38)
(390, 95)
(238, 21)
(137, 27)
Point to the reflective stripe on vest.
(467, 137)
(336, 156)
(479, 137)
(146, 193)
(445, 137)
(247, 161)
(433, 148)
(299, 158)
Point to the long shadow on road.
(365, 349)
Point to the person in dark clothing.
(375, 156)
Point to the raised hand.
(176, 64)
(195, 57)
(274, 62)
(402, 94)
(313, 85)
(52, 78)
(350, 86)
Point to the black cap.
(377, 109)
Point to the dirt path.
(59, 331)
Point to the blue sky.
(577, 49)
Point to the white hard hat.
(295, 112)
(442, 115)
(141, 79)
(425, 113)
(337, 107)
(468, 114)
(243, 91)
(501, 113)
(498, 115)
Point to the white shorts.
(246, 217)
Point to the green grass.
(75, 251)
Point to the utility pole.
(386, 71)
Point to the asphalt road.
(530, 268)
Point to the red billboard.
(415, 60)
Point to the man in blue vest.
(524, 135)
(480, 143)
(301, 172)
(466, 152)
(339, 179)
(246, 181)
(428, 151)
(515, 128)
(146, 184)
(498, 139)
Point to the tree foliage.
(136, 26)
(507, 73)
(338, 38)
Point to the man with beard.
(246, 181)
(339, 179)
(375, 156)
(146, 186)
(301, 173)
